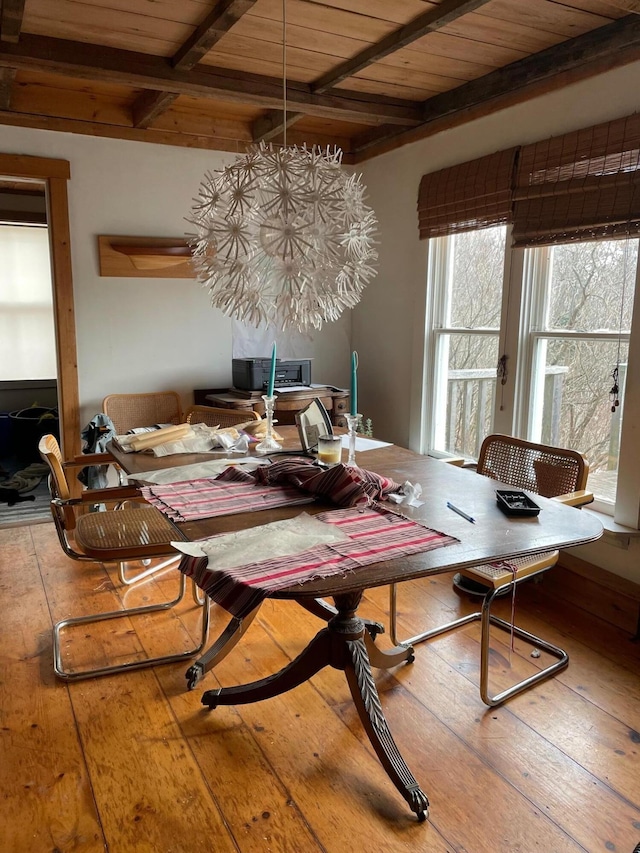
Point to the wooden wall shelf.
(144, 257)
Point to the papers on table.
(182, 473)
(365, 443)
(277, 539)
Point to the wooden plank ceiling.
(366, 75)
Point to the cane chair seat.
(497, 575)
(143, 531)
(111, 535)
(552, 472)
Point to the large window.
(561, 320)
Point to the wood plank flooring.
(134, 763)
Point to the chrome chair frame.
(90, 547)
(536, 474)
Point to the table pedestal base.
(344, 644)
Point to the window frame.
(523, 314)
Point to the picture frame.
(313, 421)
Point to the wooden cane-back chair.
(111, 535)
(553, 472)
(216, 417)
(129, 411)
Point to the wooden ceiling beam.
(434, 19)
(583, 50)
(149, 105)
(599, 50)
(143, 71)
(219, 21)
(271, 125)
(11, 20)
(7, 76)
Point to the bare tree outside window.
(590, 295)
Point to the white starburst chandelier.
(283, 234)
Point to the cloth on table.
(373, 535)
(286, 482)
(342, 484)
(206, 498)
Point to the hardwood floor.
(134, 763)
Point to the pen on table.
(460, 512)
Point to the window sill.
(614, 533)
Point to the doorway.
(28, 373)
(51, 177)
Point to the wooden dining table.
(347, 642)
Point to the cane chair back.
(112, 535)
(216, 417)
(548, 471)
(552, 472)
(129, 411)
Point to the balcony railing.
(470, 403)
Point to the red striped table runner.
(374, 535)
(196, 499)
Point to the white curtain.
(27, 338)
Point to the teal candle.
(272, 372)
(354, 383)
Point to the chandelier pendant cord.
(284, 71)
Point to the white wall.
(144, 334)
(388, 325)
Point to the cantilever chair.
(113, 535)
(216, 417)
(548, 471)
(128, 411)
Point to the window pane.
(478, 269)
(588, 283)
(466, 391)
(27, 339)
(572, 401)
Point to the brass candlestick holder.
(352, 423)
(268, 443)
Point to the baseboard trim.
(610, 597)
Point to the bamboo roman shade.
(584, 185)
(472, 195)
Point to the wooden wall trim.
(22, 166)
(64, 311)
(55, 174)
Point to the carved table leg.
(308, 662)
(385, 659)
(357, 668)
(342, 645)
(227, 640)
(323, 610)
